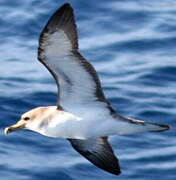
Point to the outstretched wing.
(99, 152)
(76, 78)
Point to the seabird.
(82, 115)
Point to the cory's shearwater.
(82, 115)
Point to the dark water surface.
(132, 45)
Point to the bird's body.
(82, 115)
(84, 124)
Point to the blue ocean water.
(132, 45)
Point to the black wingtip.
(60, 17)
(117, 172)
(66, 5)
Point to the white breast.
(83, 125)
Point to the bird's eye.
(26, 118)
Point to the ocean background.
(132, 45)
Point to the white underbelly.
(83, 128)
(71, 129)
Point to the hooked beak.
(19, 125)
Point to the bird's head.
(31, 119)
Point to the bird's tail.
(132, 126)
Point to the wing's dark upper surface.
(99, 152)
(76, 78)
